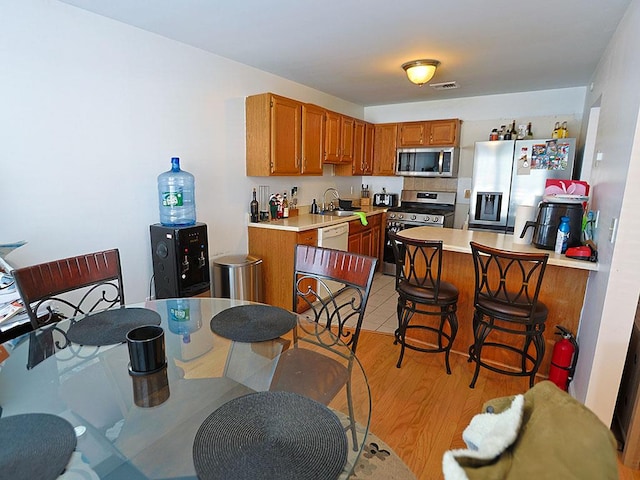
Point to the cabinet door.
(285, 136)
(347, 132)
(367, 159)
(366, 245)
(376, 234)
(443, 133)
(355, 242)
(332, 137)
(384, 152)
(358, 148)
(307, 237)
(313, 124)
(412, 134)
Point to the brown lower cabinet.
(276, 249)
(366, 239)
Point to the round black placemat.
(253, 323)
(270, 435)
(35, 445)
(110, 326)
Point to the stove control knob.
(426, 218)
(413, 217)
(392, 215)
(400, 216)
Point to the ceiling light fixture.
(420, 71)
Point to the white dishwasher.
(336, 237)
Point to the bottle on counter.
(254, 208)
(563, 235)
(279, 209)
(314, 207)
(285, 206)
(176, 196)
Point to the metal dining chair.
(335, 286)
(71, 286)
(507, 285)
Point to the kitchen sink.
(339, 213)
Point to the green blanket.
(557, 438)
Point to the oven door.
(388, 260)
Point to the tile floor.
(380, 314)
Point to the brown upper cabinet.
(362, 162)
(313, 136)
(438, 133)
(338, 138)
(284, 136)
(289, 138)
(384, 149)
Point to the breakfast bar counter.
(563, 287)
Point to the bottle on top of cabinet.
(564, 132)
(529, 135)
(556, 131)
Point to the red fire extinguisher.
(564, 359)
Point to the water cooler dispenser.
(180, 260)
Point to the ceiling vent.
(444, 85)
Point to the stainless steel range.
(418, 208)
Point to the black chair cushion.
(512, 311)
(448, 292)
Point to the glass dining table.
(144, 426)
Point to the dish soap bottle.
(563, 235)
(176, 195)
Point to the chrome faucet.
(324, 198)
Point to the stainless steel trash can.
(238, 277)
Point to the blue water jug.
(176, 196)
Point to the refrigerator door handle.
(440, 161)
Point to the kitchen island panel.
(563, 289)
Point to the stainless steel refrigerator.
(509, 173)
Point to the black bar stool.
(420, 290)
(506, 308)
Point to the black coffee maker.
(547, 222)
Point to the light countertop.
(455, 240)
(307, 221)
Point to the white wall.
(93, 110)
(612, 292)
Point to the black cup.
(146, 349)
(152, 389)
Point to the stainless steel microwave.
(427, 162)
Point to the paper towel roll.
(524, 213)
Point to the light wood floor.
(419, 410)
